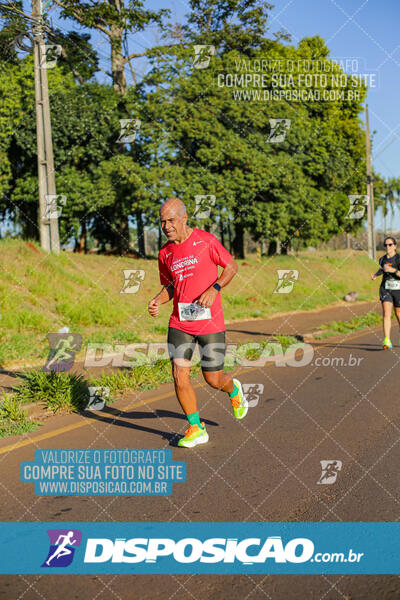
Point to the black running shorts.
(392, 296)
(212, 348)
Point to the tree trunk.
(28, 214)
(272, 248)
(238, 242)
(230, 237)
(82, 239)
(140, 234)
(159, 239)
(262, 246)
(122, 234)
(117, 60)
(221, 232)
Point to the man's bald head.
(173, 206)
(173, 219)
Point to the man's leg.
(181, 346)
(183, 386)
(196, 433)
(219, 380)
(212, 351)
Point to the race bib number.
(191, 311)
(392, 284)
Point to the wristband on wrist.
(217, 287)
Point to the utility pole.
(370, 192)
(48, 216)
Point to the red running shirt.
(192, 267)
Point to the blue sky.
(362, 29)
(365, 30)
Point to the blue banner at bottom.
(196, 548)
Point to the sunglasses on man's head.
(388, 244)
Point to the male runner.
(188, 265)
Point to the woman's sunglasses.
(388, 244)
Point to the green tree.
(115, 19)
(213, 143)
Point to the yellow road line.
(87, 421)
(44, 436)
(62, 430)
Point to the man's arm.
(167, 292)
(165, 295)
(207, 298)
(228, 273)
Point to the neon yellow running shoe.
(387, 344)
(193, 436)
(239, 402)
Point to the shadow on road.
(114, 416)
(350, 346)
(6, 385)
(10, 373)
(266, 334)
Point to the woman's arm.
(375, 275)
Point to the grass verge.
(145, 377)
(58, 391)
(13, 419)
(68, 392)
(43, 293)
(370, 319)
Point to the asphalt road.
(264, 468)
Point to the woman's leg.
(387, 308)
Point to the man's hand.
(207, 298)
(388, 269)
(153, 307)
(373, 276)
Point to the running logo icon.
(279, 129)
(252, 393)
(358, 204)
(63, 347)
(49, 55)
(202, 56)
(286, 280)
(133, 279)
(63, 543)
(54, 206)
(129, 130)
(97, 397)
(330, 470)
(203, 207)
